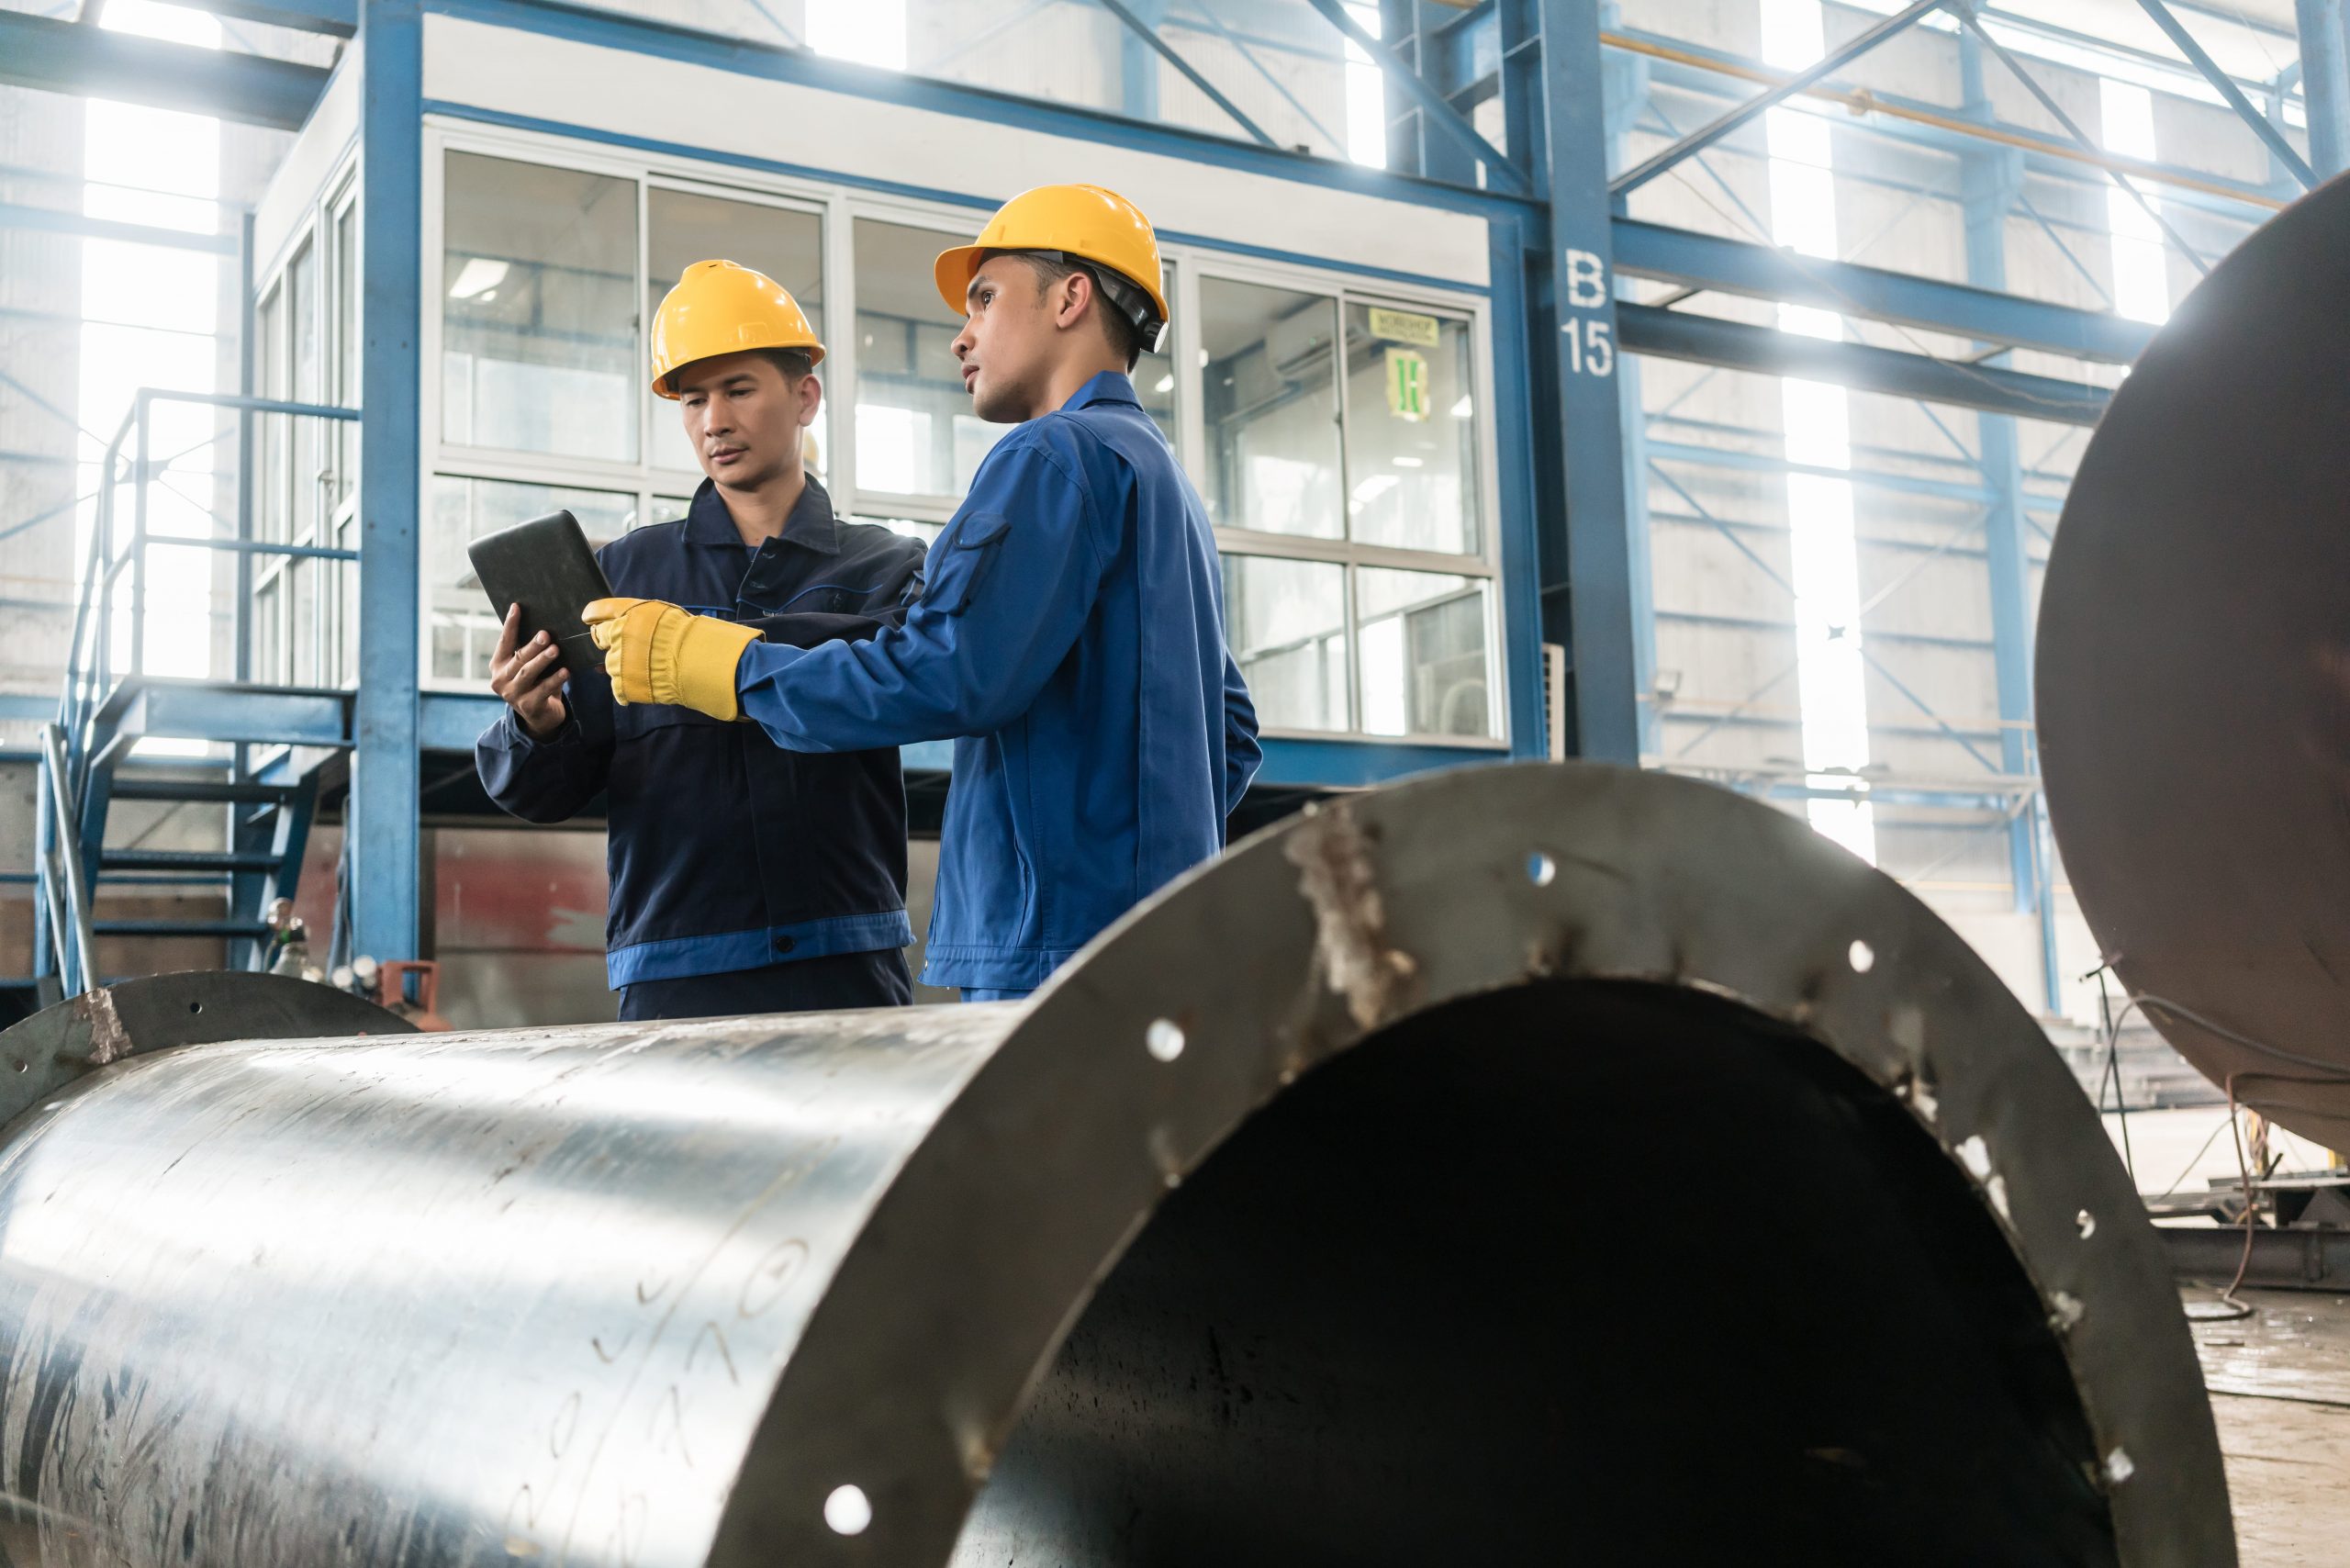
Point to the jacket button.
(783, 944)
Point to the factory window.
(539, 339)
(915, 433)
(1286, 624)
(686, 227)
(1411, 431)
(1270, 401)
(463, 629)
(1424, 652)
(1358, 588)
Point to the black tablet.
(546, 567)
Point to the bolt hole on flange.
(1540, 869)
(1163, 1040)
(1861, 956)
(848, 1511)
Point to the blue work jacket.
(727, 852)
(1070, 641)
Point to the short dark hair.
(793, 363)
(1126, 336)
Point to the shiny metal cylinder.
(1515, 1166)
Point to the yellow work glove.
(658, 653)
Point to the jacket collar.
(1110, 386)
(811, 524)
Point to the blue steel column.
(381, 815)
(1625, 81)
(2325, 83)
(1991, 179)
(1587, 570)
(1139, 64)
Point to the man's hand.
(659, 653)
(528, 679)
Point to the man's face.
(744, 417)
(1008, 343)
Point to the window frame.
(839, 206)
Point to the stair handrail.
(63, 876)
(91, 680)
(63, 866)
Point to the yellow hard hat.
(726, 307)
(1083, 221)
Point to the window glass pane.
(787, 246)
(1411, 431)
(303, 435)
(269, 431)
(1155, 372)
(915, 429)
(346, 346)
(464, 631)
(1286, 624)
(1271, 402)
(539, 343)
(669, 509)
(1424, 657)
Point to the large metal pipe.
(1517, 1166)
(2194, 674)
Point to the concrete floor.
(2280, 1390)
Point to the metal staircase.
(279, 740)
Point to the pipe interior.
(1576, 1272)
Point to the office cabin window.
(1334, 431)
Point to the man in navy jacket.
(1070, 635)
(744, 878)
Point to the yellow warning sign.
(1404, 327)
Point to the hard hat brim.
(953, 273)
(662, 386)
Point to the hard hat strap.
(1121, 291)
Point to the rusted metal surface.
(1180, 1261)
(2194, 674)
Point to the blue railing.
(68, 853)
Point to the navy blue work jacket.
(726, 851)
(1070, 641)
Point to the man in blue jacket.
(744, 878)
(1070, 636)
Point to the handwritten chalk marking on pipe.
(1164, 1039)
(847, 1511)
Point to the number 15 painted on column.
(1583, 285)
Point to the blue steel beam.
(60, 57)
(14, 214)
(386, 782)
(2226, 87)
(2325, 83)
(1141, 29)
(2080, 138)
(1704, 340)
(335, 19)
(1588, 569)
(1439, 111)
(1826, 65)
(1700, 69)
(1708, 263)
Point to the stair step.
(253, 928)
(185, 861)
(203, 790)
